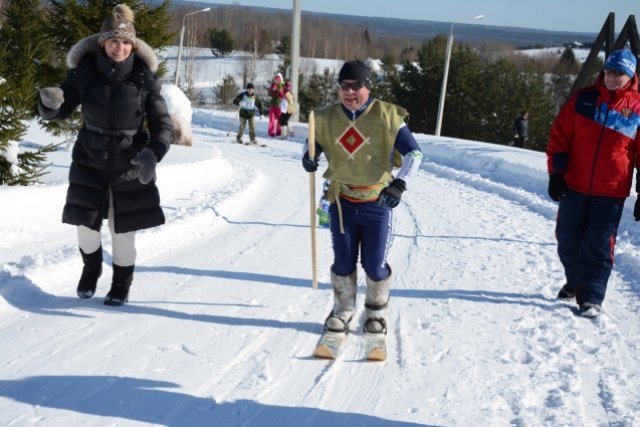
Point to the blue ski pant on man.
(586, 230)
(367, 229)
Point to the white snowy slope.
(222, 319)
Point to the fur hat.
(355, 70)
(119, 25)
(623, 61)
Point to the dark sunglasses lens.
(352, 86)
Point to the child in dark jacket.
(250, 106)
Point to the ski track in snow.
(223, 321)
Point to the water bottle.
(324, 219)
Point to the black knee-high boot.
(122, 278)
(91, 272)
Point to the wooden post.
(312, 200)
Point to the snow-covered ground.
(222, 319)
(208, 71)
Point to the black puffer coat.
(115, 99)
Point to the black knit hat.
(249, 85)
(355, 70)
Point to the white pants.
(123, 244)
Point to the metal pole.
(445, 77)
(443, 90)
(295, 56)
(177, 74)
(175, 81)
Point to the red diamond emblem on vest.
(352, 140)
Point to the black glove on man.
(146, 162)
(556, 186)
(309, 164)
(390, 196)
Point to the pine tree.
(23, 53)
(227, 90)
(221, 42)
(73, 20)
(319, 91)
(387, 81)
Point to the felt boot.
(91, 271)
(344, 305)
(375, 305)
(122, 278)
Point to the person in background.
(592, 152)
(113, 169)
(360, 137)
(521, 129)
(276, 92)
(286, 110)
(250, 106)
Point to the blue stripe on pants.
(367, 229)
(586, 230)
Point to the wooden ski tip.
(324, 352)
(377, 354)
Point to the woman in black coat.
(112, 77)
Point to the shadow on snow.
(151, 401)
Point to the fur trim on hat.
(91, 44)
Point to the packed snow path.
(222, 320)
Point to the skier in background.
(250, 106)
(593, 149)
(521, 129)
(112, 175)
(359, 136)
(286, 110)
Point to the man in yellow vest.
(360, 137)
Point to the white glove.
(51, 97)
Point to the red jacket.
(594, 140)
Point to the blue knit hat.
(623, 61)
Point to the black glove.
(146, 162)
(636, 209)
(390, 196)
(556, 186)
(309, 164)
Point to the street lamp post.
(445, 77)
(177, 74)
(295, 55)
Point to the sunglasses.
(355, 86)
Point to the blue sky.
(557, 15)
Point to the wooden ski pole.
(312, 200)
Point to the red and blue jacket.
(594, 140)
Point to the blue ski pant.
(586, 229)
(367, 229)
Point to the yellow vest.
(360, 152)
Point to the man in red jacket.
(592, 151)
